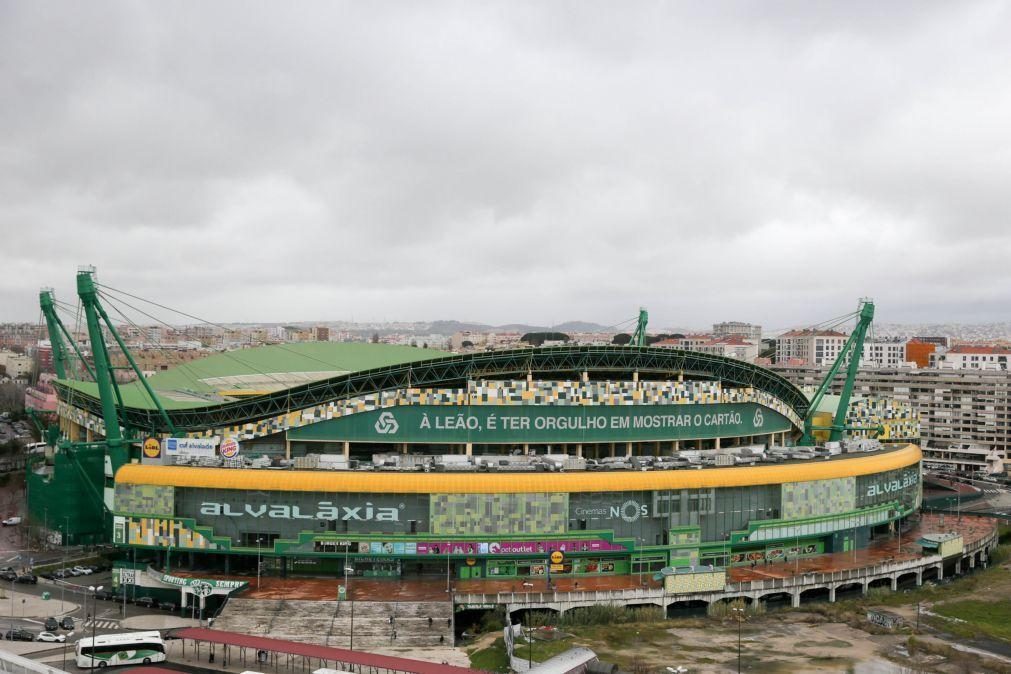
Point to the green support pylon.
(639, 336)
(853, 349)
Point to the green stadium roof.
(232, 375)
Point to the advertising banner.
(547, 423)
(473, 547)
(191, 447)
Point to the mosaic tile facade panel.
(818, 497)
(898, 418)
(498, 514)
(163, 532)
(144, 499)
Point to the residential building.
(919, 352)
(964, 413)
(15, 365)
(748, 331)
(973, 357)
(813, 347)
(884, 353)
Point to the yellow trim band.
(514, 483)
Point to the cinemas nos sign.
(515, 423)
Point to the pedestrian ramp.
(342, 624)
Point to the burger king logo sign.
(229, 448)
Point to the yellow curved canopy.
(516, 483)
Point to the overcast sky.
(510, 162)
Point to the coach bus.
(129, 648)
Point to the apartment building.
(813, 347)
(973, 357)
(748, 331)
(884, 353)
(965, 414)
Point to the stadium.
(327, 459)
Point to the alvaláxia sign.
(324, 510)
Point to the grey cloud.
(510, 162)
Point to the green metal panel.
(546, 424)
(70, 500)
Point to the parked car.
(51, 625)
(18, 634)
(49, 636)
(8, 576)
(67, 623)
(167, 606)
(81, 570)
(146, 602)
(11, 521)
(28, 578)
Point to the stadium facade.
(563, 461)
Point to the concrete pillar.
(635, 376)
(287, 449)
(468, 449)
(958, 567)
(585, 377)
(628, 449)
(919, 578)
(612, 450)
(526, 448)
(895, 583)
(831, 594)
(347, 449)
(182, 599)
(676, 447)
(972, 561)
(795, 599)
(403, 448)
(579, 450)
(717, 443)
(940, 571)
(228, 564)
(863, 588)
(530, 378)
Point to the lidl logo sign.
(152, 448)
(387, 424)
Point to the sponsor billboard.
(190, 447)
(548, 423)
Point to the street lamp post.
(739, 614)
(347, 590)
(94, 618)
(12, 608)
(63, 582)
(447, 569)
(259, 540)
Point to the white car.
(11, 521)
(80, 571)
(49, 636)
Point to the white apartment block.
(731, 347)
(812, 347)
(972, 357)
(883, 354)
(750, 332)
(16, 364)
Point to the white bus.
(129, 648)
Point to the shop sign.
(558, 423)
(323, 510)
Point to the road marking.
(101, 624)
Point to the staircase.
(328, 623)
